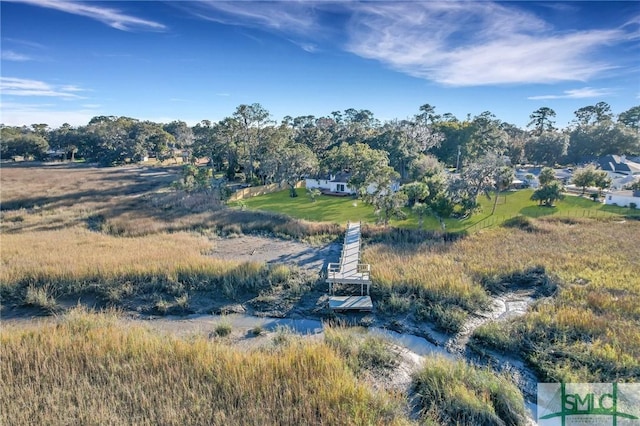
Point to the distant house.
(336, 184)
(528, 177)
(623, 198)
(621, 170)
(563, 175)
(57, 154)
(619, 182)
(619, 164)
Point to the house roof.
(341, 177)
(337, 177)
(624, 193)
(620, 164)
(562, 173)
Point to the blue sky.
(66, 61)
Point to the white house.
(336, 184)
(527, 177)
(619, 181)
(623, 198)
(621, 170)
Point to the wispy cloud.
(27, 43)
(475, 43)
(585, 92)
(10, 55)
(18, 114)
(26, 87)
(453, 43)
(299, 21)
(292, 16)
(111, 17)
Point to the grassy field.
(454, 392)
(89, 368)
(342, 209)
(120, 236)
(589, 331)
(324, 209)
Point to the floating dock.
(350, 272)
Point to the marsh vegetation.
(118, 238)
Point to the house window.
(340, 187)
(609, 197)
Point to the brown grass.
(589, 331)
(128, 201)
(455, 392)
(120, 234)
(88, 369)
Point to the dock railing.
(349, 270)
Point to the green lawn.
(325, 209)
(512, 203)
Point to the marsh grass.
(90, 369)
(223, 328)
(361, 350)
(589, 330)
(40, 297)
(129, 202)
(586, 326)
(425, 280)
(169, 268)
(454, 392)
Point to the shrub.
(162, 306)
(520, 222)
(40, 297)
(454, 392)
(361, 350)
(258, 330)
(223, 328)
(182, 301)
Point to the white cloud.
(20, 114)
(292, 16)
(299, 20)
(453, 43)
(71, 88)
(10, 55)
(27, 43)
(480, 43)
(25, 87)
(585, 92)
(111, 17)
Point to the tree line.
(249, 146)
(246, 141)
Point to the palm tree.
(503, 178)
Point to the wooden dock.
(349, 271)
(350, 303)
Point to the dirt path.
(248, 248)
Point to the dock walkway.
(350, 271)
